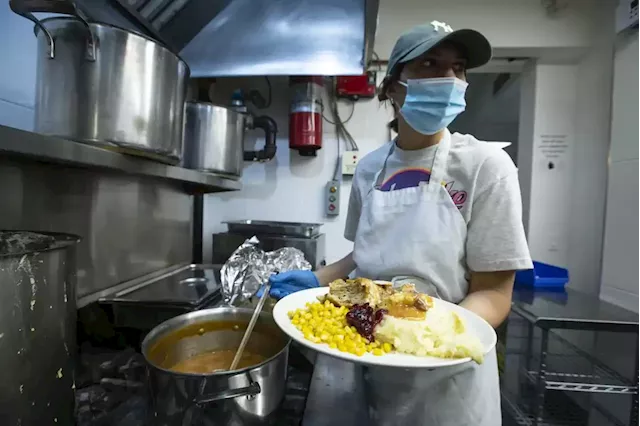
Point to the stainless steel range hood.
(262, 37)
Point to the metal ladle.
(252, 323)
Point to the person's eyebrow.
(438, 55)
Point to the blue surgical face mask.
(432, 104)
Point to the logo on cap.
(437, 26)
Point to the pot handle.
(252, 390)
(270, 128)
(25, 8)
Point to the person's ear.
(392, 91)
(394, 95)
(382, 90)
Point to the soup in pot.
(209, 362)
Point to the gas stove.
(111, 382)
(111, 389)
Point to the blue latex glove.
(286, 283)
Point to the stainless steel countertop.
(571, 309)
(18, 143)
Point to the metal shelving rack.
(560, 365)
(15, 143)
(561, 413)
(580, 383)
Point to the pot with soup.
(188, 361)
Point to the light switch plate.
(626, 15)
(332, 197)
(349, 162)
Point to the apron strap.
(381, 173)
(440, 158)
(438, 168)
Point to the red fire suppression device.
(305, 115)
(355, 87)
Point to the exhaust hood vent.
(262, 37)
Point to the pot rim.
(163, 327)
(36, 29)
(208, 105)
(63, 241)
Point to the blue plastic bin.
(543, 276)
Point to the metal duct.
(262, 37)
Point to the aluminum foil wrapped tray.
(249, 267)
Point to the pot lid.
(18, 243)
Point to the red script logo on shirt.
(412, 177)
(458, 196)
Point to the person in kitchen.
(437, 209)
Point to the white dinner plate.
(474, 323)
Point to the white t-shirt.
(483, 183)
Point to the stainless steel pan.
(257, 227)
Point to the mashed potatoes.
(441, 334)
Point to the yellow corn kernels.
(326, 323)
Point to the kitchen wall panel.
(619, 264)
(129, 225)
(17, 70)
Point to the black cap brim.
(477, 47)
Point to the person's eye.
(459, 68)
(429, 63)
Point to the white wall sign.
(553, 147)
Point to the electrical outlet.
(349, 162)
(332, 195)
(626, 15)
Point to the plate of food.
(372, 322)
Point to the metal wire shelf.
(570, 368)
(581, 383)
(565, 368)
(559, 413)
(581, 372)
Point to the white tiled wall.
(290, 188)
(620, 267)
(564, 207)
(624, 121)
(18, 69)
(16, 115)
(589, 176)
(549, 213)
(525, 137)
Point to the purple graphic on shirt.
(410, 178)
(406, 178)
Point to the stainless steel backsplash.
(129, 225)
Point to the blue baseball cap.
(421, 38)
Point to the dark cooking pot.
(247, 396)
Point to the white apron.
(418, 235)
